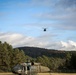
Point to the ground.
(43, 74)
(57, 74)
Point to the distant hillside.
(36, 52)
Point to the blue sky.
(22, 22)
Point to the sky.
(22, 23)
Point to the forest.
(55, 60)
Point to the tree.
(4, 56)
(9, 57)
(18, 57)
(73, 61)
(68, 58)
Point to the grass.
(57, 74)
(43, 74)
(7, 74)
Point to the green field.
(42, 74)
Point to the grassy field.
(42, 74)
(57, 74)
(7, 74)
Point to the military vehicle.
(29, 68)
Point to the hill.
(36, 52)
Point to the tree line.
(9, 57)
(67, 64)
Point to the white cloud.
(18, 40)
(62, 11)
(64, 44)
(70, 45)
(15, 39)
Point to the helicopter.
(29, 68)
(44, 29)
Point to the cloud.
(52, 14)
(37, 3)
(24, 3)
(18, 40)
(15, 39)
(46, 3)
(70, 45)
(68, 3)
(62, 13)
(63, 20)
